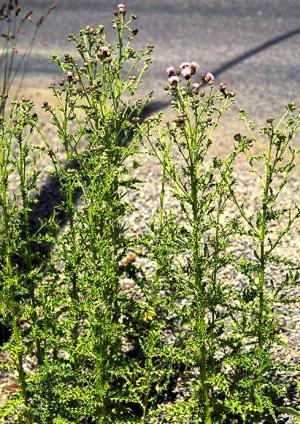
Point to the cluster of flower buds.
(224, 91)
(187, 70)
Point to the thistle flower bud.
(194, 66)
(171, 71)
(195, 88)
(180, 120)
(291, 106)
(222, 87)
(108, 60)
(209, 78)
(134, 120)
(103, 52)
(70, 76)
(174, 80)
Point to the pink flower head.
(104, 52)
(209, 77)
(195, 87)
(173, 81)
(70, 76)
(194, 66)
(122, 9)
(171, 71)
(186, 72)
(185, 65)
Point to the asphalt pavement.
(252, 45)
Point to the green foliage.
(173, 325)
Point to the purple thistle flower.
(70, 76)
(209, 78)
(103, 52)
(186, 72)
(122, 9)
(173, 81)
(171, 71)
(185, 65)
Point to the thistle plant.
(96, 120)
(271, 159)
(21, 266)
(197, 182)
